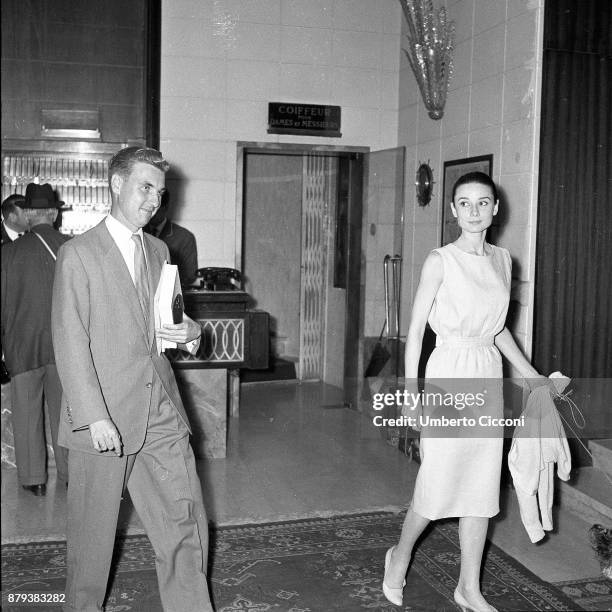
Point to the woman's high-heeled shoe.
(462, 602)
(394, 594)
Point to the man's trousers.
(165, 490)
(28, 392)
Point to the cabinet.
(78, 178)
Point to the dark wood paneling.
(71, 54)
(22, 80)
(70, 83)
(22, 119)
(84, 44)
(128, 13)
(94, 45)
(116, 121)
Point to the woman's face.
(474, 207)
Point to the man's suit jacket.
(183, 250)
(105, 353)
(26, 289)
(6, 239)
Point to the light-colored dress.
(460, 476)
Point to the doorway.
(300, 221)
(301, 224)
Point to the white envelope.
(168, 288)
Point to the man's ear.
(116, 183)
(55, 216)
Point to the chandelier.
(430, 51)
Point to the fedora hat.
(40, 196)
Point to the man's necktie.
(140, 275)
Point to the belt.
(465, 341)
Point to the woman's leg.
(413, 527)
(472, 536)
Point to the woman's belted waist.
(465, 341)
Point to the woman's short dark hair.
(476, 177)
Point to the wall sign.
(304, 119)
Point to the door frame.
(357, 154)
(262, 148)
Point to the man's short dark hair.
(10, 203)
(123, 161)
(476, 177)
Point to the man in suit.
(14, 223)
(12, 227)
(181, 242)
(28, 265)
(122, 416)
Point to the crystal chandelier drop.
(430, 51)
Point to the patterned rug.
(317, 565)
(590, 593)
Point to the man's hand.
(180, 333)
(105, 437)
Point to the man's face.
(17, 220)
(137, 197)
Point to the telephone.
(220, 279)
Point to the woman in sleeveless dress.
(463, 293)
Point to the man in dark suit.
(28, 265)
(122, 416)
(14, 223)
(13, 226)
(181, 242)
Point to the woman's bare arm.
(429, 283)
(510, 350)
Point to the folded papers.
(166, 294)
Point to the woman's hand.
(539, 381)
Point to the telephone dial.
(220, 279)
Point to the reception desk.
(233, 337)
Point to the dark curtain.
(573, 291)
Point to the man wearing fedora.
(28, 266)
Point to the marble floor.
(290, 456)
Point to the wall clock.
(424, 184)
